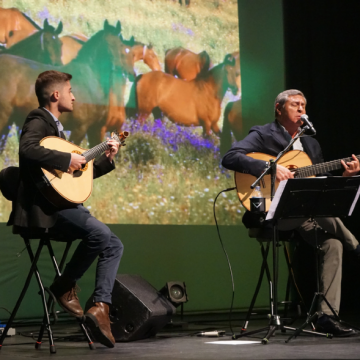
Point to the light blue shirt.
(58, 124)
(57, 121)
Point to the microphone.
(305, 119)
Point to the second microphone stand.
(274, 318)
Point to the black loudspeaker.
(138, 310)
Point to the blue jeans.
(97, 241)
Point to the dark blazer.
(269, 139)
(31, 208)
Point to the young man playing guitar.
(33, 210)
(333, 235)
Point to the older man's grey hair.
(283, 97)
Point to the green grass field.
(163, 176)
(207, 24)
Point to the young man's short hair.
(46, 84)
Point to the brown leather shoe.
(64, 290)
(98, 321)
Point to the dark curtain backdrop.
(322, 57)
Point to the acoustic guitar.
(64, 189)
(296, 161)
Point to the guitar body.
(292, 160)
(64, 189)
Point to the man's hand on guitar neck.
(113, 149)
(282, 173)
(76, 162)
(352, 167)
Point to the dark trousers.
(332, 237)
(97, 241)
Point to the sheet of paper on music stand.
(276, 200)
(355, 201)
(280, 190)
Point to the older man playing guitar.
(272, 138)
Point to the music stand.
(306, 198)
(314, 198)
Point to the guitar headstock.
(120, 137)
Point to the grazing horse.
(116, 114)
(232, 123)
(71, 45)
(42, 46)
(190, 103)
(14, 21)
(101, 58)
(185, 64)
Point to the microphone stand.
(271, 167)
(274, 322)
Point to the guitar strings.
(319, 168)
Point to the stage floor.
(182, 343)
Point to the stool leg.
(34, 261)
(264, 266)
(43, 299)
(287, 294)
(86, 334)
(292, 277)
(58, 270)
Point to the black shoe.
(328, 324)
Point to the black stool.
(264, 236)
(9, 180)
(45, 240)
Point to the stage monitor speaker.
(138, 310)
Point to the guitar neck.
(317, 169)
(95, 151)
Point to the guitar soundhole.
(292, 167)
(77, 173)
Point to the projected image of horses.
(190, 103)
(170, 82)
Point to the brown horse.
(42, 46)
(13, 21)
(99, 60)
(116, 114)
(71, 45)
(190, 103)
(147, 54)
(232, 123)
(185, 64)
(143, 52)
